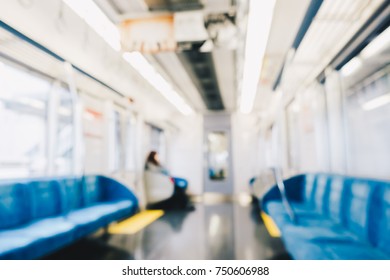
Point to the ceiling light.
(376, 102)
(259, 25)
(147, 71)
(97, 20)
(352, 66)
(377, 45)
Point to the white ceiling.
(336, 22)
(287, 19)
(334, 25)
(224, 63)
(178, 75)
(119, 10)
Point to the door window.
(218, 155)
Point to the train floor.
(225, 230)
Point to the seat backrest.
(14, 204)
(321, 192)
(336, 199)
(45, 198)
(359, 198)
(309, 189)
(183, 183)
(72, 193)
(92, 192)
(380, 218)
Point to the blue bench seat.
(40, 216)
(336, 217)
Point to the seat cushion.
(86, 221)
(300, 249)
(125, 208)
(302, 213)
(354, 250)
(42, 215)
(274, 207)
(299, 208)
(324, 249)
(319, 229)
(180, 183)
(46, 235)
(93, 217)
(106, 210)
(15, 248)
(124, 204)
(350, 218)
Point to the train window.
(65, 133)
(157, 142)
(293, 149)
(130, 160)
(367, 114)
(23, 113)
(116, 143)
(218, 155)
(163, 147)
(93, 130)
(307, 131)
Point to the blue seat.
(14, 247)
(40, 216)
(180, 182)
(337, 217)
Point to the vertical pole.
(52, 127)
(78, 156)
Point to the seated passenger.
(179, 199)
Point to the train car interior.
(195, 129)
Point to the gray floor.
(216, 231)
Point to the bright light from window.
(97, 20)
(376, 102)
(259, 25)
(147, 71)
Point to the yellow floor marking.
(136, 222)
(270, 225)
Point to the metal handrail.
(282, 189)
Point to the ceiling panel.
(225, 67)
(200, 67)
(286, 21)
(176, 72)
(128, 6)
(173, 5)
